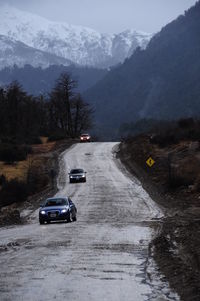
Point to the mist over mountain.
(41, 81)
(81, 45)
(160, 82)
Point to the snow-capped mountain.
(17, 53)
(81, 45)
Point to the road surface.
(102, 256)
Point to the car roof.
(77, 169)
(57, 198)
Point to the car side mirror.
(41, 205)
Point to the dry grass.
(37, 159)
(43, 148)
(44, 139)
(18, 170)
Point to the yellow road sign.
(150, 162)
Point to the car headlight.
(71, 177)
(83, 176)
(42, 212)
(63, 210)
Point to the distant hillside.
(39, 81)
(15, 52)
(162, 81)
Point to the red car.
(85, 138)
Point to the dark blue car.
(57, 209)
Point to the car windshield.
(55, 202)
(85, 135)
(74, 171)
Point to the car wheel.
(69, 218)
(41, 222)
(74, 218)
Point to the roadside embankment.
(172, 182)
(40, 169)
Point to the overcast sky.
(110, 16)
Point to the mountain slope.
(17, 53)
(41, 81)
(80, 45)
(159, 82)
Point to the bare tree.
(81, 115)
(68, 111)
(61, 102)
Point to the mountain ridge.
(81, 45)
(14, 52)
(41, 81)
(159, 82)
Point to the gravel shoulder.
(176, 249)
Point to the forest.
(23, 117)
(25, 121)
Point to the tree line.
(23, 117)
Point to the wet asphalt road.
(102, 256)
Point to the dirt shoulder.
(46, 160)
(173, 183)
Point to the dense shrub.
(11, 153)
(164, 139)
(20, 140)
(197, 184)
(185, 123)
(33, 140)
(185, 172)
(2, 180)
(178, 180)
(184, 130)
(13, 191)
(37, 179)
(57, 136)
(28, 149)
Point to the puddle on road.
(88, 154)
(14, 245)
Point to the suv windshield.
(55, 202)
(74, 171)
